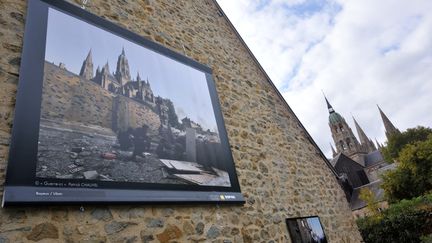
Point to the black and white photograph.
(306, 230)
(113, 110)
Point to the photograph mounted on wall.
(101, 109)
(306, 230)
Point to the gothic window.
(111, 87)
(341, 127)
(349, 144)
(336, 128)
(342, 145)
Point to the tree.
(406, 221)
(372, 204)
(397, 141)
(413, 176)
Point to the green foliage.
(406, 221)
(368, 196)
(426, 239)
(397, 141)
(413, 176)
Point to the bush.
(406, 221)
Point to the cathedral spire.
(365, 142)
(87, 67)
(122, 72)
(388, 125)
(362, 135)
(329, 107)
(138, 77)
(378, 144)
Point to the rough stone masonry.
(280, 171)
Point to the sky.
(359, 53)
(315, 224)
(69, 41)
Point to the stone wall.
(281, 172)
(67, 97)
(130, 113)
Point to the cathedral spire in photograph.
(122, 71)
(388, 125)
(87, 67)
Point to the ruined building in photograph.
(281, 171)
(359, 162)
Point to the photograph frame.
(295, 233)
(22, 186)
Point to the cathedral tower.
(122, 73)
(87, 67)
(388, 125)
(342, 134)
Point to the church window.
(336, 128)
(341, 127)
(342, 145)
(349, 144)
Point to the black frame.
(20, 182)
(306, 217)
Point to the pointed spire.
(138, 77)
(378, 144)
(89, 54)
(388, 125)
(87, 67)
(362, 135)
(329, 107)
(122, 72)
(105, 68)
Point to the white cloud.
(361, 53)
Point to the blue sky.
(69, 41)
(360, 53)
(315, 224)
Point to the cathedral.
(358, 161)
(119, 82)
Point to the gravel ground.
(74, 155)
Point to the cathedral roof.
(373, 158)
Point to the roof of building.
(343, 159)
(373, 158)
(357, 203)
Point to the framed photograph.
(306, 230)
(105, 115)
